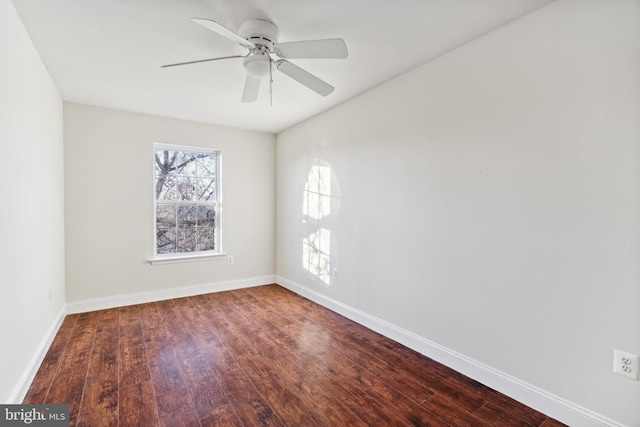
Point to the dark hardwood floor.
(250, 357)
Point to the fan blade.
(304, 77)
(202, 60)
(313, 49)
(224, 32)
(251, 89)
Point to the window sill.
(186, 258)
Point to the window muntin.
(186, 201)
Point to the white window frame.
(217, 253)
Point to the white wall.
(31, 211)
(489, 201)
(109, 205)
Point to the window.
(186, 194)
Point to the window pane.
(206, 166)
(164, 161)
(187, 216)
(165, 216)
(206, 189)
(185, 187)
(206, 216)
(186, 239)
(166, 188)
(165, 241)
(186, 163)
(206, 239)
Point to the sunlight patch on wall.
(316, 254)
(316, 208)
(317, 193)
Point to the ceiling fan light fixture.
(257, 66)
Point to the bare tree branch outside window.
(186, 200)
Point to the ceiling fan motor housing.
(260, 32)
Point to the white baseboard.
(164, 294)
(22, 387)
(532, 396)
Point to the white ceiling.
(108, 53)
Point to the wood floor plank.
(69, 382)
(99, 405)
(137, 399)
(500, 418)
(175, 409)
(137, 404)
(253, 357)
(134, 366)
(501, 404)
(550, 422)
(46, 373)
(163, 366)
(452, 413)
(211, 405)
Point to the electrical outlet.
(334, 274)
(626, 364)
(230, 259)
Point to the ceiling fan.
(259, 37)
